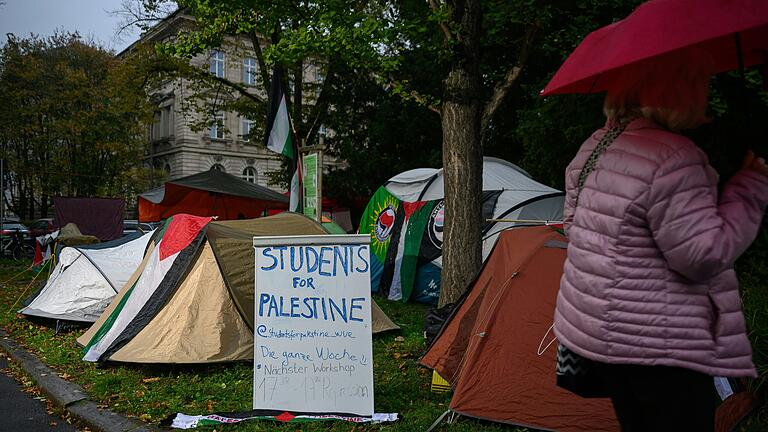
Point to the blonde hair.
(671, 90)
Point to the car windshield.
(13, 226)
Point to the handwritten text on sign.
(312, 350)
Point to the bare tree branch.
(502, 87)
(447, 36)
(137, 13)
(263, 72)
(320, 109)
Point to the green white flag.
(279, 138)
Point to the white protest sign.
(312, 342)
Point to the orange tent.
(496, 348)
(209, 193)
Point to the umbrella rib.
(594, 82)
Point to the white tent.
(508, 193)
(86, 278)
(522, 197)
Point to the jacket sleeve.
(699, 236)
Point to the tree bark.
(462, 155)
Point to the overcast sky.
(91, 18)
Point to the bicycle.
(15, 247)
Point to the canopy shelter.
(192, 299)
(209, 193)
(405, 219)
(86, 278)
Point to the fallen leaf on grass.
(402, 355)
(65, 376)
(149, 380)
(145, 417)
(139, 393)
(209, 405)
(399, 339)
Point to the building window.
(216, 63)
(247, 129)
(154, 130)
(249, 174)
(216, 130)
(166, 122)
(167, 169)
(319, 79)
(218, 167)
(250, 69)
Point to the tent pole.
(530, 221)
(438, 421)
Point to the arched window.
(218, 167)
(167, 169)
(249, 174)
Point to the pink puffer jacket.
(649, 276)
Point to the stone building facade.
(177, 147)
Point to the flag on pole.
(279, 136)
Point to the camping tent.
(191, 301)
(86, 278)
(405, 221)
(497, 349)
(209, 193)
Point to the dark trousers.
(661, 398)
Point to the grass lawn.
(153, 392)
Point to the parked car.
(8, 228)
(132, 225)
(41, 227)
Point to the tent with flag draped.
(209, 193)
(191, 300)
(405, 219)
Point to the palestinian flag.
(279, 138)
(405, 271)
(183, 421)
(167, 261)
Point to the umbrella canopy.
(733, 32)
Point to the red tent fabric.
(210, 193)
(495, 349)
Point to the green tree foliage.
(73, 123)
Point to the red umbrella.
(734, 32)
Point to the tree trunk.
(462, 156)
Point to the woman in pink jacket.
(649, 298)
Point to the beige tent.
(206, 313)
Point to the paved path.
(20, 412)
